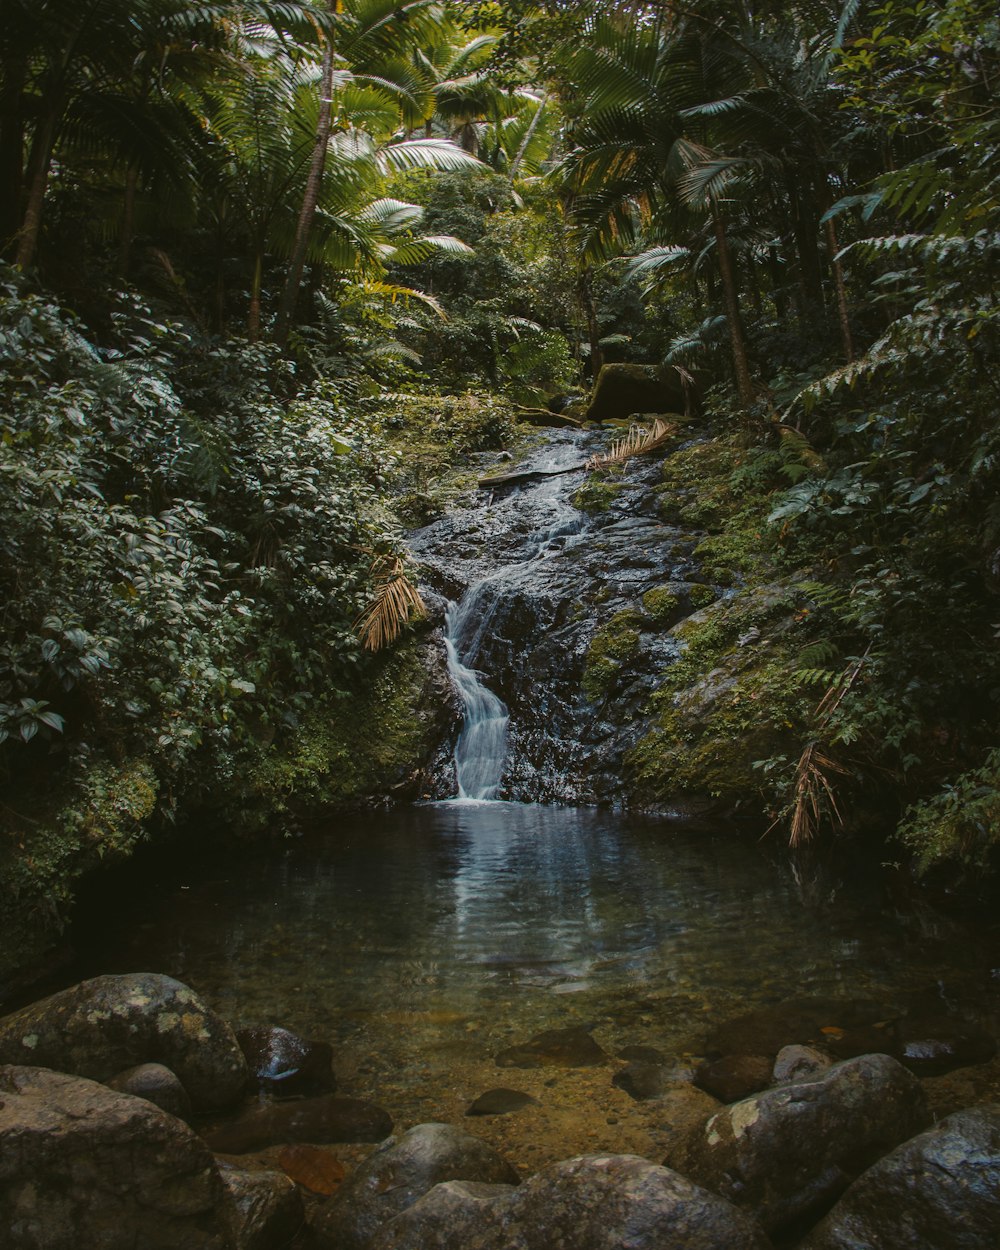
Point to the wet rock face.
(397, 1174)
(267, 1208)
(103, 1026)
(940, 1189)
(795, 1148)
(326, 1119)
(82, 1165)
(546, 579)
(594, 1202)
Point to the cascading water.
(482, 744)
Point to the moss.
(661, 604)
(700, 595)
(596, 495)
(727, 702)
(358, 747)
(610, 648)
(102, 815)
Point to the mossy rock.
(623, 390)
(610, 649)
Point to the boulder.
(500, 1102)
(285, 1065)
(622, 391)
(560, 1048)
(594, 1202)
(398, 1173)
(84, 1166)
(454, 1213)
(794, 1148)
(267, 1208)
(795, 1063)
(102, 1026)
(326, 1119)
(938, 1191)
(734, 1077)
(157, 1084)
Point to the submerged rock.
(932, 1046)
(560, 1048)
(734, 1077)
(796, 1147)
(325, 1119)
(644, 1080)
(102, 1026)
(594, 1202)
(796, 1063)
(157, 1084)
(397, 1174)
(938, 1191)
(285, 1065)
(501, 1102)
(84, 1166)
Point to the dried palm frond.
(813, 791)
(639, 440)
(396, 599)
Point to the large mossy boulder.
(623, 391)
(593, 1202)
(82, 1166)
(402, 1170)
(103, 1026)
(938, 1191)
(795, 1148)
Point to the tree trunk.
(128, 221)
(805, 225)
(727, 274)
(39, 164)
(253, 316)
(843, 313)
(11, 153)
(310, 199)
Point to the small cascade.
(482, 744)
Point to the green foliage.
(961, 823)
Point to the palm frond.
(394, 602)
(639, 441)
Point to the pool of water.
(422, 941)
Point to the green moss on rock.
(610, 648)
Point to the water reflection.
(472, 923)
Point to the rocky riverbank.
(131, 1114)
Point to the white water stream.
(482, 745)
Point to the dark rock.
(767, 1030)
(796, 1063)
(285, 1065)
(622, 391)
(795, 1148)
(83, 1166)
(500, 1102)
(643, 1080)
(325, 1119)
(157, 1084)
(268, 1209)
(100, 1027)
(595, 1202)
(734, 1077)
(934, 1046)
(642, 1054)
(560, 1048)
(397, 1174)
(938, 1191)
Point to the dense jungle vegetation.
(274, 271)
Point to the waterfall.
(482, 744)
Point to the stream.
(425, 940)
